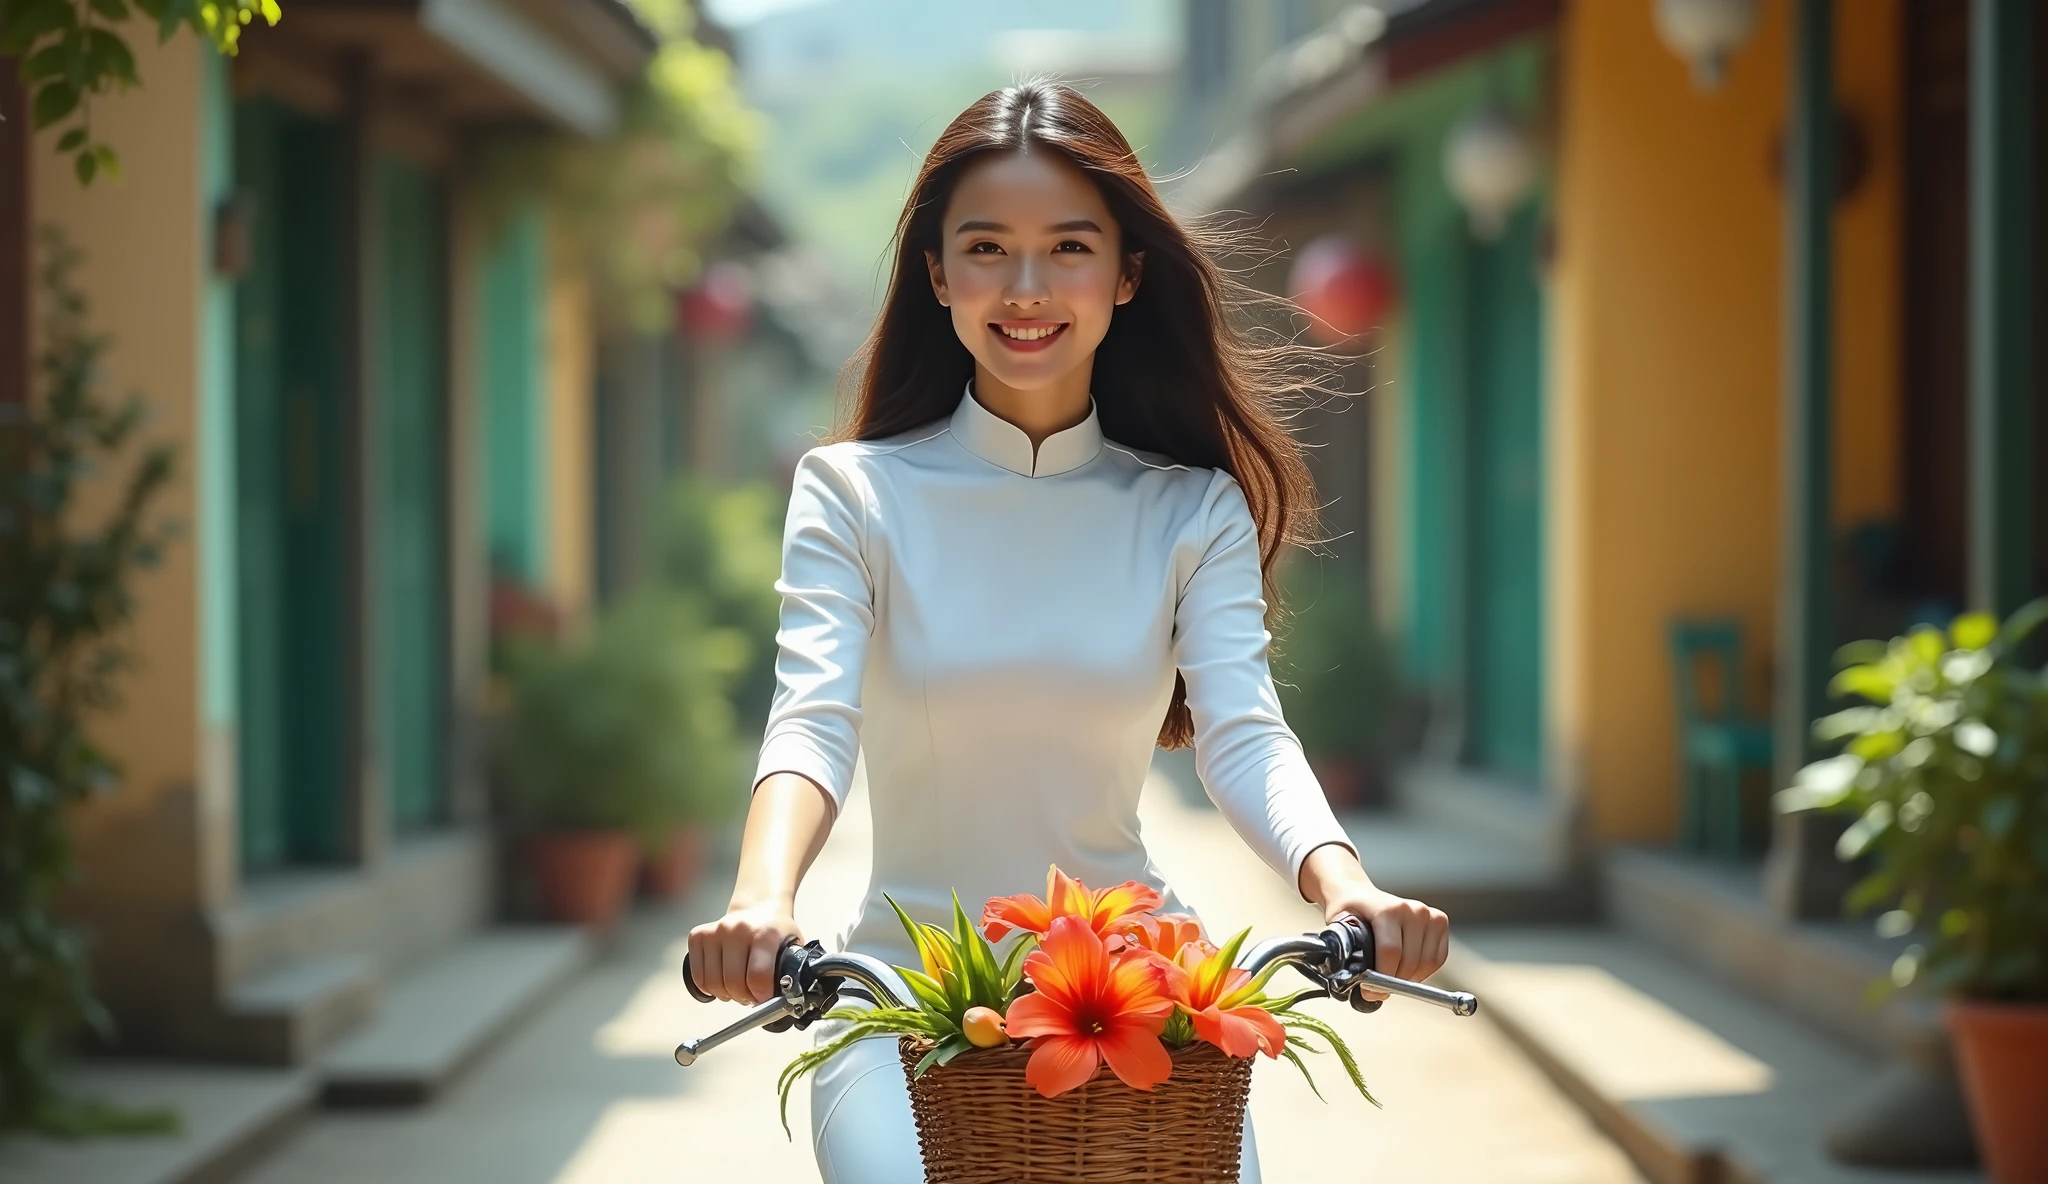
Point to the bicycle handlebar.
(1339, 960)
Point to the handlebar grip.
(696, 992)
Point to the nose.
(1026, 288)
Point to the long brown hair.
(1182, 371)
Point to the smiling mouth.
(1028, 337)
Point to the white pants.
(861, 1128)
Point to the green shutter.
(412, 390)
(291, 558)
(514, 383)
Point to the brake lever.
(1350, 945)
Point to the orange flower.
(1066, 897)
(1223, 1001)
(1090, 1008)
(1164, 934)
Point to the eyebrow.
(1076, 224)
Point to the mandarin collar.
(1000, 442)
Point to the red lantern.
(720, 306)
(1345, 289)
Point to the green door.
(290, 518)
(1504, 417)
(411, 460)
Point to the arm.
(1250, 762)
(813, 734)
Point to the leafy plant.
(723, 548)
(629, 728)
(637, 204)
(66, 592)
(70, 52)
(1946, 770)
(1336, 678)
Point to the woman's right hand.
(734, 956)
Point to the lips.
(1028, 336)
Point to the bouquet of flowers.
(1089, 979)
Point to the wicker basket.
(979, 1123)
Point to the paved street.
(586, 1093)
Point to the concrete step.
(228, 1118)
(287, 1014)
(1699, 1083)
(1713, 916)
(435, 1020)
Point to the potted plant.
(609, 744)
(1336, 685)
(1946, 771)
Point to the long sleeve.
(1248, 759)
(822, 642)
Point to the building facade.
(377, 372)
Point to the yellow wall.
(1668, 371)
(571, 406)
(162, 846)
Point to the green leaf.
(2022, 623)
(1873, 682)
(86, 164)
(1013, 964)
(113, 54)
(51, 61)
(53, 101)
(72, 140)
(1293, 1056)
(1974, 631)
(984, 977)
(37, 20)
(940, 1053)
(113, 10)
(1337, 1045)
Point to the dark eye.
(985, 248)
(1072, 247)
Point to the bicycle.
(809, 981)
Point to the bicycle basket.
(979, 1123)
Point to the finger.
(693, 963)
(761, 966)
(1386, 943)
(1414, 944)
(1439, 940)
(732, 965)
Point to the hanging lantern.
(1705, 32)
(719, 306)
(1345, 289)
(1490, 165)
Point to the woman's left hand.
(1411, 940)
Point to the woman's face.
(1031, 265)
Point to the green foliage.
(66, 592)
(638, 203)
(629, 728)
(1335, 676)
(69, 52)
(960, 972)
(723, 548)
(1946, 771)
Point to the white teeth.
(1029, 334)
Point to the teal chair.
(1716, 745)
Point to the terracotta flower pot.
(672, 871)
(2002, 1050)
(585, 877)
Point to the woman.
(1064, 491)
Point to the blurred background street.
(398, 405)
